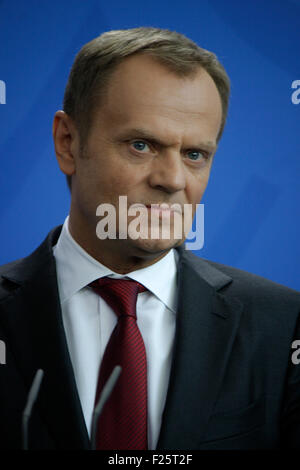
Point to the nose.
(168, 172)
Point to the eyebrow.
(139, 132)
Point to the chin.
(155, 247)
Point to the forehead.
(143, 91)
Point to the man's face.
(152, 139)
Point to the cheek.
(102, 175)
(120, 181)
(196, 189)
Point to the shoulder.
(244, 281)
(23, 270)
(254, 284)
(266, 301)
(267, 306)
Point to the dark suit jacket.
(232, 386)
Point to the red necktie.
(123, 422)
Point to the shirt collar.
(76, 269)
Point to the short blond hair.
(97, 60)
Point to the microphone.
(32, 396)
(104, 396)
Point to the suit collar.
(207, 322)
(23, 269)
(202, 269)
(33, 323)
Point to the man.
(210, 366)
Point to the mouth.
(164, 208)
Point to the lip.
(163, 207)
(156, 208)
(162, 210)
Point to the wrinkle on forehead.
(195, 101)
(143, 89)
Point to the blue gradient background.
(252, 201)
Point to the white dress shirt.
(89, 321)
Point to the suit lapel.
(37, 339)
(207, 322)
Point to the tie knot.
(120, 294)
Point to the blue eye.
(196, 155)
(140, 146)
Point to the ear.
(66, 142)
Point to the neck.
(118, 255)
